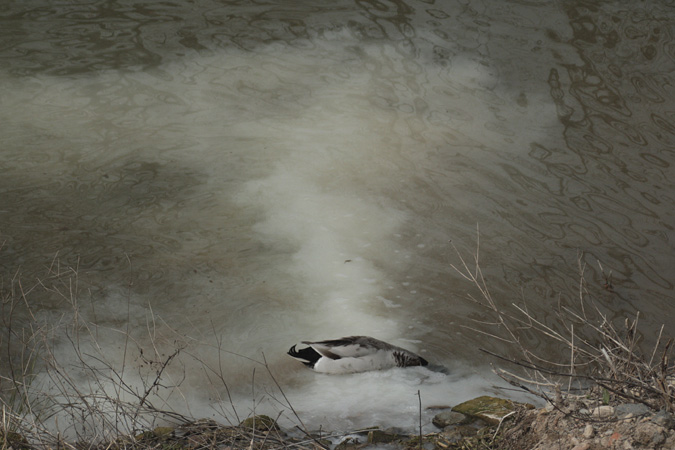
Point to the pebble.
(588, 431)
(604, 411)
(658, 438)
(447, 418)
(631, 409)
(650, 434)
(584, 446)
(664, 419)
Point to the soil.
(568, 428)
(555, 429)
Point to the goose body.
(354, 354)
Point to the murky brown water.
(264, 173)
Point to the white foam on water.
(389, 398)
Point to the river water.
(232, 177)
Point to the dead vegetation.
(49, 399)
(87, 396)
(597, 361)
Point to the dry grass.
(593, 352)
(50, 399)
(82, 397)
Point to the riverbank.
(486, 423)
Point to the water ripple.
(366, 135)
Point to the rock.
(615, 436)
(447, 418)
(649, 434)
(582, 446)
(588, 431)
(670, 442)
(489, 409)
(603, 412)
(631, 409)
(382, 437)
(664, 419)
(260, 423)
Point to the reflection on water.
(268, 173)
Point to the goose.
(354, 354)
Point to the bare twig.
(600, 353)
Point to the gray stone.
(631, 409)
(664, 419)
(447, 418)
(382, 437)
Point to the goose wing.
(349, 347)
